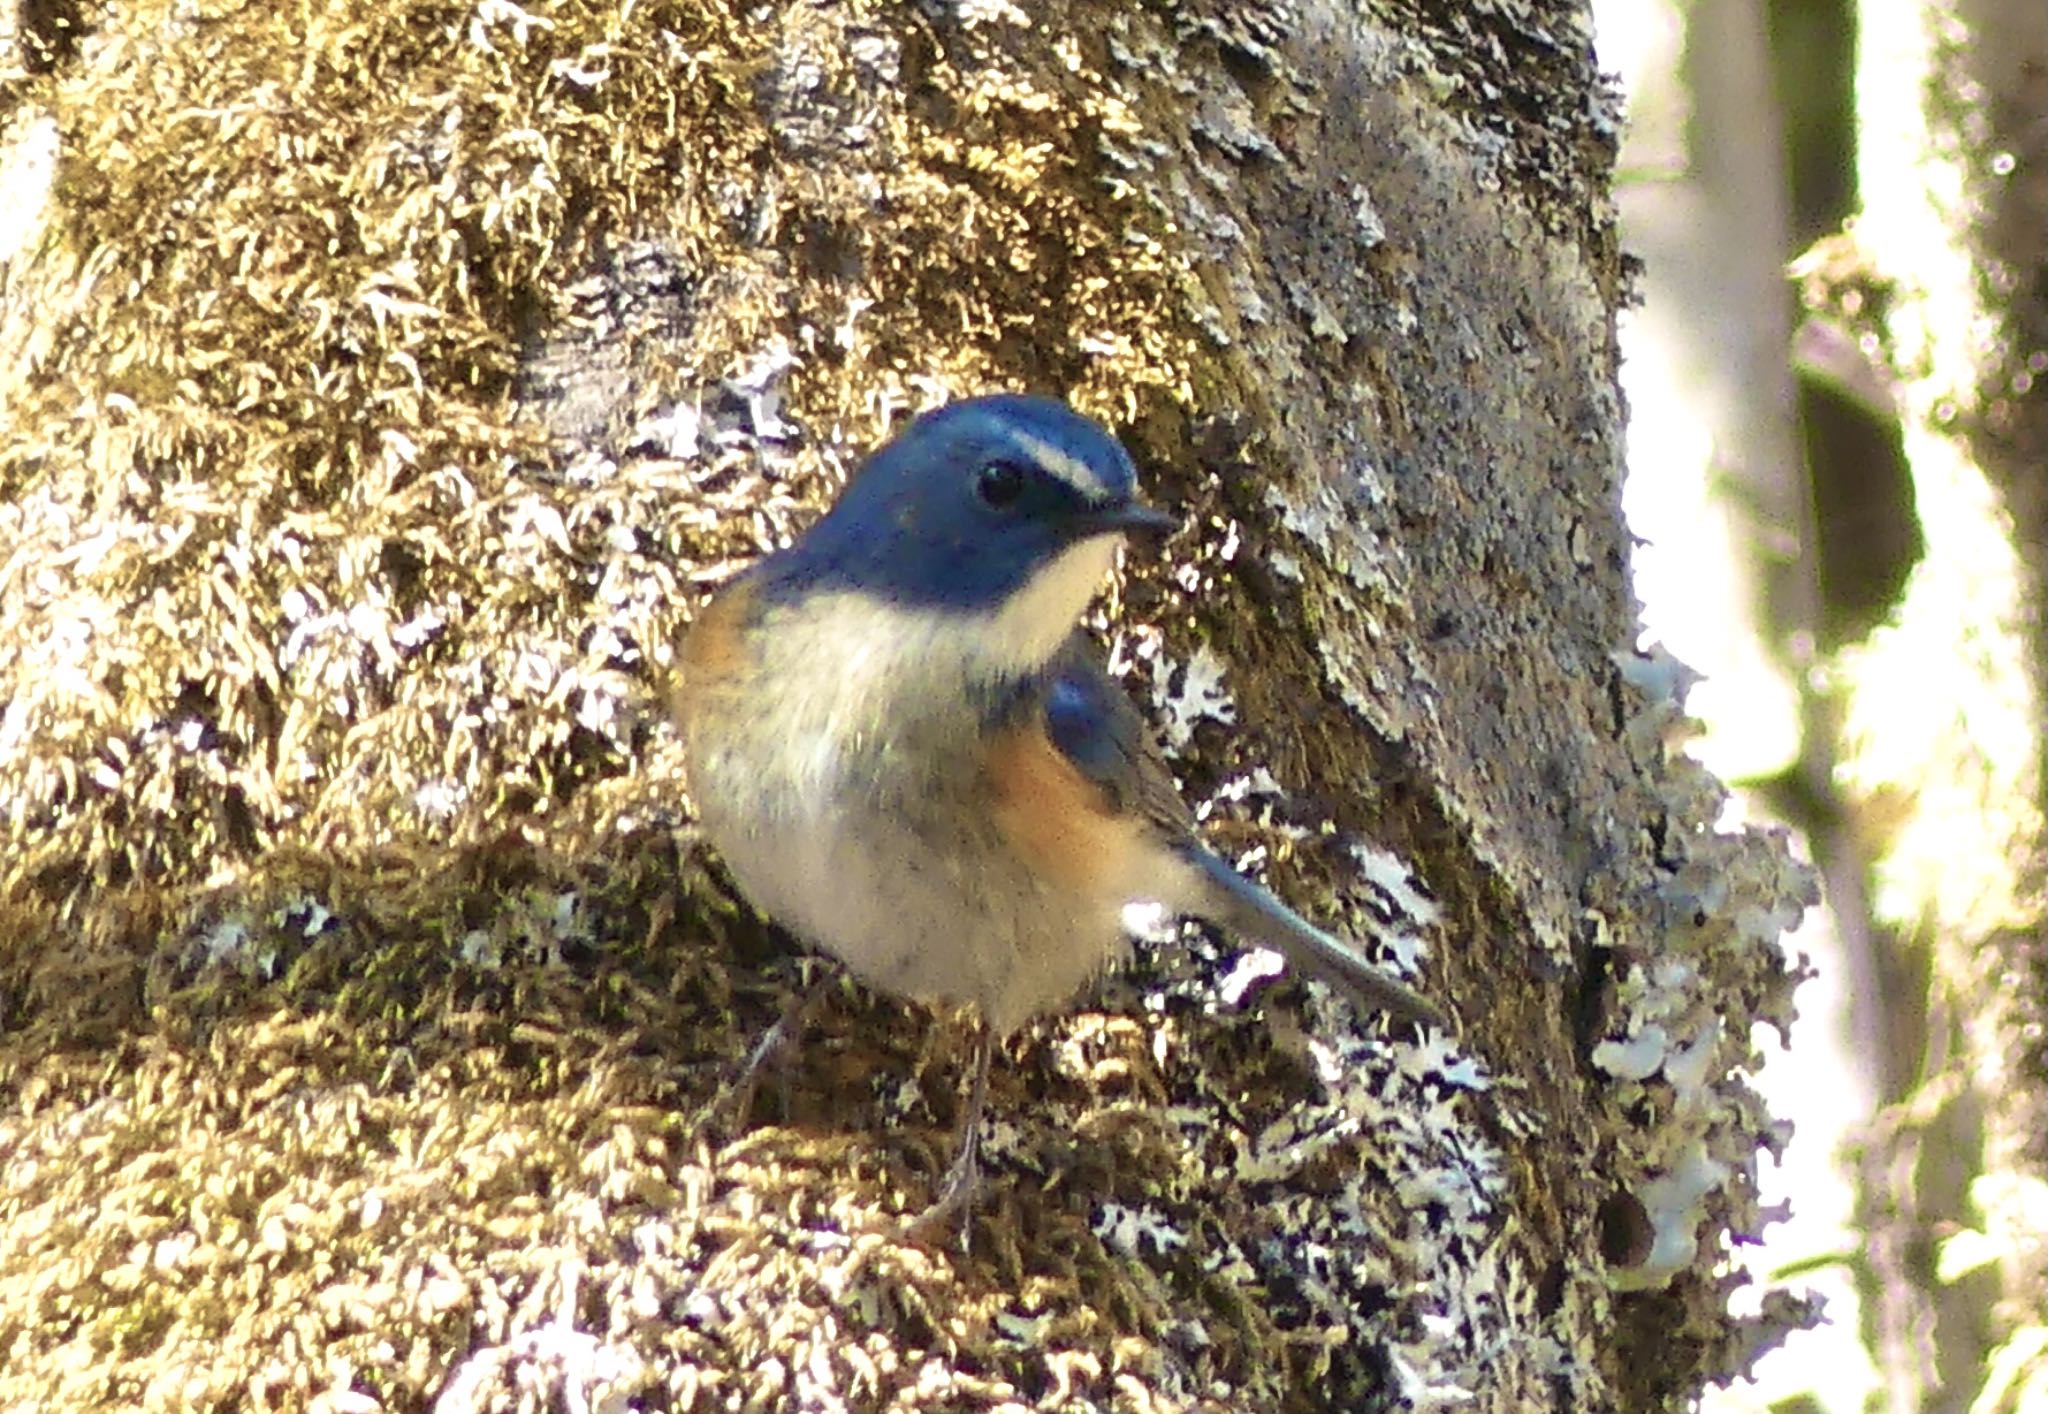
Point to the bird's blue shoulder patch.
(1081, 717)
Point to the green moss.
(361, 1001)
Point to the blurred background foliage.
(1837, 449)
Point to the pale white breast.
(844, 797)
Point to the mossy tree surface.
(380, 387)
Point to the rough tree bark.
(380, 386)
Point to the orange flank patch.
(1057, 820)
(713, 652)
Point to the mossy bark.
(380, 387)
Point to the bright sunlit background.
(1921, 730)
(1708, 376)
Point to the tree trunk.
(381, 386)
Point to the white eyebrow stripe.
(1076, 473)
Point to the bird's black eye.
(999, 484)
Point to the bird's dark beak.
(1128, 518)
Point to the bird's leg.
(774, 1048)
(963, 1176)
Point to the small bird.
(909, 755)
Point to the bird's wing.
(1093, 724)
(1091, 721)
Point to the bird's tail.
(1255, 915)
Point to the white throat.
(864, 661)
(1036, 620)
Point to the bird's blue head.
(1000, 505)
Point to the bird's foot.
(955, 1197)
(776, 1049)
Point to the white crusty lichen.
(1413, 1117)
(1684, 993)
(1184, 695)
(1332, 525)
